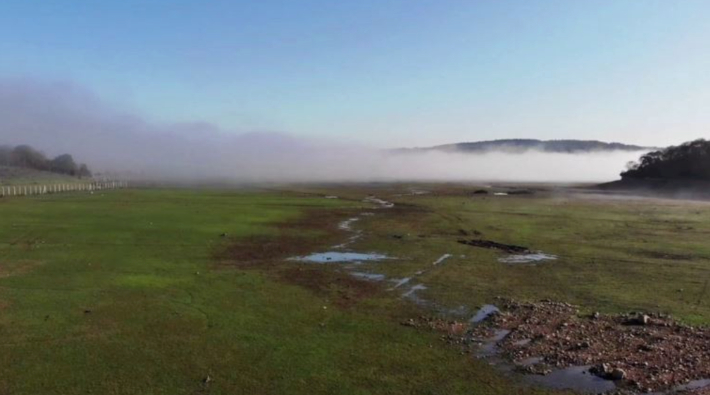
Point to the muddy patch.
(518, 254)
(509, 248)
(342, 289)
(452, 328)
(296, 238)
(666, 255)
(17, 268)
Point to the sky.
(387, 73)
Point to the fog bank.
(65, 118)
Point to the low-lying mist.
(65, 118)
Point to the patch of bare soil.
(16, 268)
(640, 352)
(666, 255)
(341, 288)
(314, 230)
(509, 248)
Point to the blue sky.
(388, 73)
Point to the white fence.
(26, 190)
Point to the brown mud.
(268, 253)
(509, 248)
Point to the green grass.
(118, 293)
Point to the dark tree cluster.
(27, 157)
(688, 161)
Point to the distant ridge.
(524, 145)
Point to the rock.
(641, 319)
(618, 374)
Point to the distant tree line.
(27, 157)
(688, 161)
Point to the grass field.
(137, 291)
(119, 293)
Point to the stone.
(618, 374)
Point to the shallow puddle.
(380, 202)
(347, 224)
(369, 276)
(483, 313)
(412, 294)
(530, 361)
(351, 240)
(489, 348)
(442, 259)
(399, 282)
(527, 258)
(339, 257)
(575, 378)
(693, 385)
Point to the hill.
(688, 161)
(525, 145)
(677, 171)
